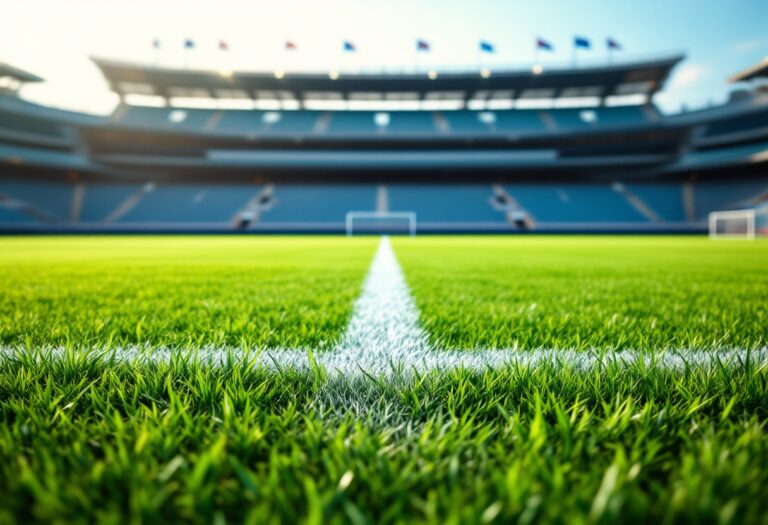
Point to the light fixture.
(537, 69)
(226, 73)
(333, 75)
(279, 73)
(485, 72)
(432, 74)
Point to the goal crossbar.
(409, 216)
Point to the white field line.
(384, 337)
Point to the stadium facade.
(581, 149)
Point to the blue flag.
(349, 46)
(487, 47)
(580, 41)
(189, 44)
(543, 44)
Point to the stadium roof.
(638, 78)
(7, 70)
(759, 70)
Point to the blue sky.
(54, 38)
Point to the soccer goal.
(738, 224)
(374, 222)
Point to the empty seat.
(579, 203)
(446, 203)
(327, 203)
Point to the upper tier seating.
(582, 119)
(362, 124)
(738, 124)
(166, 118)
(30, 125)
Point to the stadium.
(486, 294)
(475, 162)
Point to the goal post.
(362, 222)
(737, 224)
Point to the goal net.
(738, 224)
(372, 222)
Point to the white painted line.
(384, 337)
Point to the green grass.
(84, 439)
(589, 292)
(104, 292)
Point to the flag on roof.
(581, 42)
(223, 45)
(189, 44)
(543, 44)
(487, 47)
(422, 45)
(349, 46)
(612, 43)
(291, 45)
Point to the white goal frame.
(409, 215)
(750, 216)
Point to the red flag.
(290, 45)
(223, 45)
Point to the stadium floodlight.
(379, 222)
(738, 224)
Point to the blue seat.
(52, 198)
(328, 203)
(446, 203)
(191, 203)
(574, 203)
(666, 199)
(100, 200)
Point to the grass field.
(589, 292)
(178, 291)
(84, 438)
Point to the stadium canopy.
(638, 79)
(758, 71)
(11, 78)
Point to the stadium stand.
(190, 203)
(102, 200)
(316, 203)
(579, 203)
(475, 157)
(53, 199)
(665, 199)
(463, 203)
